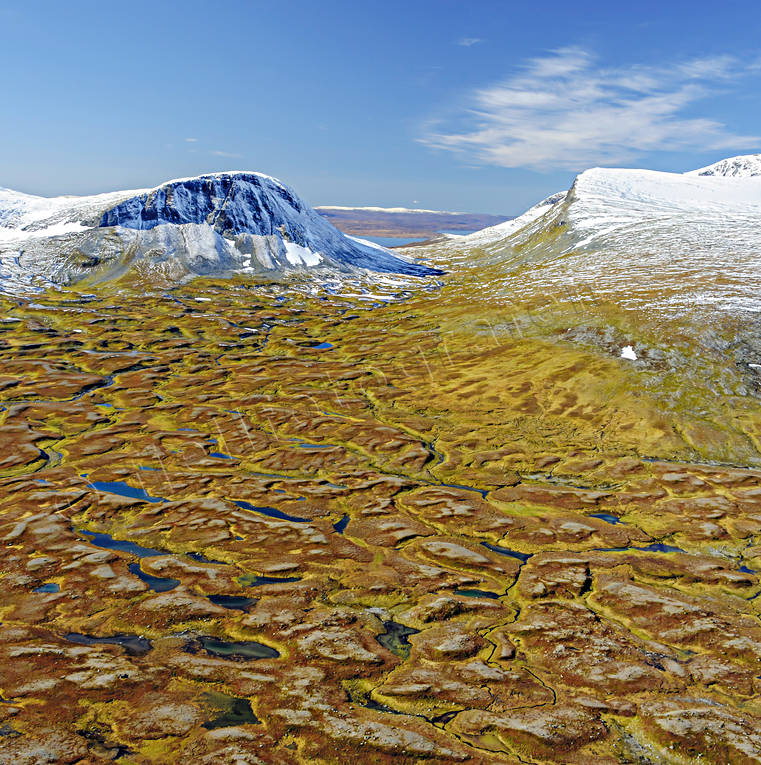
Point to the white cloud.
(228, 154)
(191, 140)
(467, 42)
(564, 110)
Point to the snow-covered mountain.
(211, 224)
(745, 166)
(636, 235)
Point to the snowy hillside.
(669, 238)
(210, 224)
(605, 204)
(496, 233)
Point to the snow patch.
(298, 255)
(627, 352)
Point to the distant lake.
(401, 241)
(392, 241)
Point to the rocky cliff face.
(210, 224)
(231, 203)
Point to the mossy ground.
(473, 444)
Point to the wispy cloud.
(191, 140)
(467, 42)
(564, 110)
(228, 154)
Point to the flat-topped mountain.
(210, 224)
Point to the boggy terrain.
(259, 523)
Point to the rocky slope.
(210, 224)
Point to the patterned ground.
(247, 524)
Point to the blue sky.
(481, 105)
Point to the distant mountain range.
(671, 239)
(401, 222)
(211, 224)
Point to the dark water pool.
(270, 512)
(133, 645)
(242, 650)
(123, 489)
(396, 638)
(156, 583)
